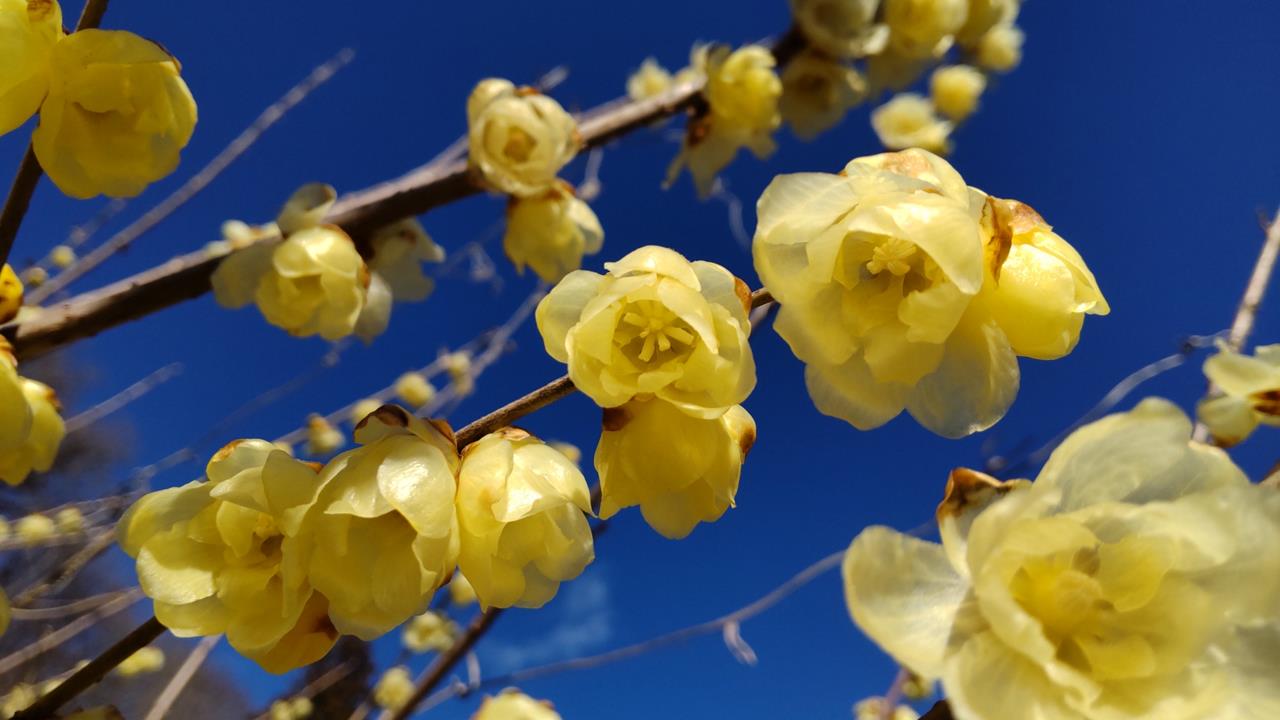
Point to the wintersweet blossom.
(519, 138)
(28, 32)
(144, 660)
(362, 409)
(461, 592)
(15, 411)
(955, 90)
(62, 256)
(655, 324)
(414, 389)
(901, 288)
(382, 536)
(322, 437)
(39, 445)
(221, 556)
(681, 470)
(398, 253)
(116, 117)
(1248, 393)
(817, 92)
(522, 510)
(650, 80)
(551, 232)
(393, 689)
(985, 15)
(1138, 577)
(11, 292)
(911, 121)
(430, 631)
(35, 528)
(841, 28)
(924, 28)
(873, 709)
(69, 520)
(511, 704)
(1000, 48)
(742, 92)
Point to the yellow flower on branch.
(414, 389)
(742, 93)
(1250, 393)
(519, 138)
(116, 117)
(28, 32)
(511, 704)
(522, 510)
(924, 28)
(817, 92)
(461, 593)
(985, 15)
(551, 232)
(1138, 577)
(955, 90)
(650, 80)
(393, 689)
(35, 528)
(911, 121)
(398, 253)
(222, 556)
(429, 631)
(143, 661)
(11, 292)
(655, 324)
(382, 535)
(38, 448)
(1000, 49)
(680, 470)
(841, 28)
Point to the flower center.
(651, 333)
(892, 254)
(519, 145)
(1062, 593)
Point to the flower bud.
(551, 232)
(817, 92)
(28, 33)
(306, 208)
(430, 631)
(69, 520)
(363, 409)
(62, 257)
(322, 437)
(414, 389)
(651, 80)
(393, 689)
(35, 276)
(34, 529)
(519, 138)
(680, 470)
(142, 661)
(461, 593)
(910, 121)
(116, 117)
(1000, 49)
(522, 511)
(841, 28)
(955, 90)
(511, 704)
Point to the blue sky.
(1145, 133)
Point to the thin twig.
(198, 182)
(68, 631)
(75, 607)
(182, 678)
(335, 675)
(29, 171)
(124, 397)
(69, 569)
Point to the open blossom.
(38, 448)
(742, 93)
(877, 270)
(519, 138)
(955, 90)
(817, 92)
(398, 253)
(924, 28)
(1000, 48)
(28, 32)
(429, 631)
(511, 704)
(911, 121)
(655, 324)
(11, 292)
(680, 470)
(650, 80)
(1138, 577)
(116, 117)
(841, 28)
(220, 556)
(1250, 393)
(382, 536)
(551, 232)
(522, 510)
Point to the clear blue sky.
(1145, 132)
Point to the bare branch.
(190, 666)
(70, 630)
(123, 398)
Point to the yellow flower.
(414, 389)
(281, 710)
(955, 90)
(301, 707)
(841, 28)
(873, 709)
(519, 138)
(551, 232)
(398, 253)
(511, 704)
(19, 698)
(363, 409)
(458, 367)
(35, 276)
(69, 520)
(322, 437)
(35, 528)
(145, 660)
(1038, 288)
(817, 92)
(1250, 393)
(1000, 49)
(393, 689)
(28, 32)
(11, 291)
(222, 556)
(382, 535)
(316, 284)
(461, 593)
(651, 80)
(116, 117)
(924, 28)
(62, 257)
(910, 121)
(696, 70)
(984, 15)
(742, 94)
(15, 412)
(1138, 577)
(522, 510)
(656, 324)
(39, 445)
(680, 470)
(429, 631)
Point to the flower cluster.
(114, 111)
(903, 288)
(1248, 393)
(284, 556)
(661, 344)
(1138, 576)
(31, 426)
(314, 282)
